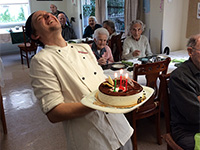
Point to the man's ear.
(35, 37)
(190, 50)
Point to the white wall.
(65, 6)
(174, 24)
(155, 24)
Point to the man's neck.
(57, 41)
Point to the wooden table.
(16, 36)
(181, 54)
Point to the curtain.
(101, 10)
(130, 13)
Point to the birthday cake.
(120, 92)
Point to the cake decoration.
(120, 92)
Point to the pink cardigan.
(108, 54)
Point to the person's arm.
(66, 111)
(148, 48)
(185, 98)
(127, 53)
(109, 55)
(86, 32)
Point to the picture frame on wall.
(198, 10)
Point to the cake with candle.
(120, 92)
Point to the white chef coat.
(66, 75)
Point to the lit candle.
(126, 80)
(121, 72)
(115, 81)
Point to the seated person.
(67, 32)
(100, 49)
(56, 12)
(184, 86)
(89, 30)
(110, 26)
(136, 45)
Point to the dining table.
(11, 35)
(177, 57)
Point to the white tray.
(90, 99)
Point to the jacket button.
(59, 50)
(83, 57)
(83, 78)
(95, 73)
(71, 46)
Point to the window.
(13, 13)
(88, 10)
(116, 13)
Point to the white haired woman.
(100, 49)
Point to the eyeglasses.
(196, 49)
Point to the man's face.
(194, 54)
(101, 41)
(136, 31)
(45, 23)
(108, 28)
(92, 22)
(62, 19)
(53, 9)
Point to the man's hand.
(136, 53)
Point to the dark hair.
(31, 30)
(111, 24)
(29, 27)
(193, 40)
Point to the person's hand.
(136, 53)
(198, 98)
(102, 61)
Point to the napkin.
(178, 60)
(197, 141)
(127, 63)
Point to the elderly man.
(136, 45)
(184, 88)
(89, 30)
(67, 32)
(110, 26)
(56, 12)
(62, 74)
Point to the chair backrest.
(28, 42)
(151, 72)
(164, 96)
(116, 46)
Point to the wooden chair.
(152, 107)
(3, 119)
(27, 48)
(164, 95)
(115, 45)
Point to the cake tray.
(91, 101)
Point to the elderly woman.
(110, 26)
(100, 49)
(89, 30)
(136, 45)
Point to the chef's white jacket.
(66, 75)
